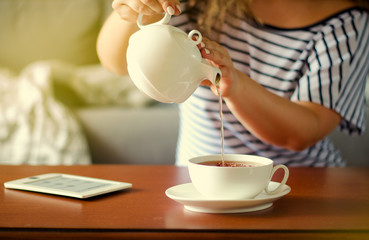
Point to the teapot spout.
(213, 74)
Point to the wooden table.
(324, 203)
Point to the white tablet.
(67, 185)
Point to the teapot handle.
(164, 20)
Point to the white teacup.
(227, 183)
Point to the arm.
(112, 43)
(279, 121)
(271, 118)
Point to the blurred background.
(58, 105)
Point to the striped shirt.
(325, 63)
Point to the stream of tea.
(221, 120)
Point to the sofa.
(62, 107)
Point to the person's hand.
(219, 57)
(128, 10)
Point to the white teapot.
(165, 63)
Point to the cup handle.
(164, 20)
(282, 183)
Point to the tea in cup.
(241, 176)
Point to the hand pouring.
(165, 63)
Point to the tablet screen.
(68, 184)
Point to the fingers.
(172, 7)
(219, 56)
(215, 53)
(154, 5)
(129, 9)
(130, 6)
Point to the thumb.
(206, 83)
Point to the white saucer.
(192, 200)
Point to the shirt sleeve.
(336, 70)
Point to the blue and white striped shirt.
(325, 63)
